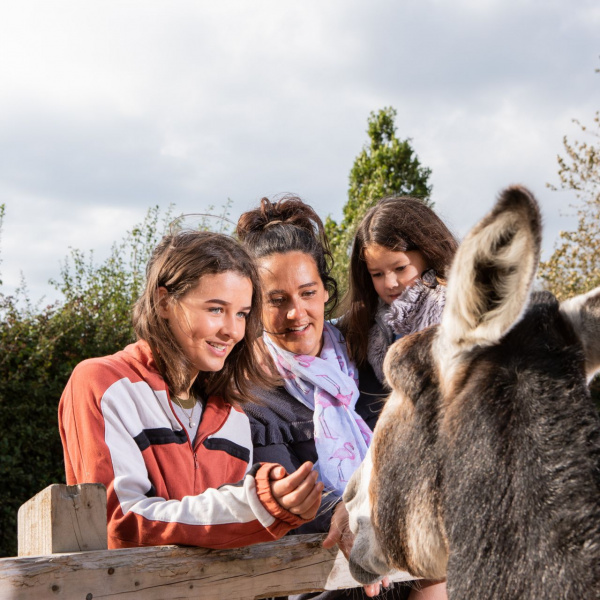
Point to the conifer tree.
(386, 166)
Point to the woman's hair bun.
(287, 209)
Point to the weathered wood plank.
(293, 564)
(63, 518)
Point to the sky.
(109, 108)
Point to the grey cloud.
(245, 103)
(88, 159)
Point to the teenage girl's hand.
(299, 492)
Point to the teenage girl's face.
(294, 302)
(210, 319)
(392, 272)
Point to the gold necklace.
(190, 417)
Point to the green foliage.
(386, 166)
(218, 222)
(574, 266)
(39, 347)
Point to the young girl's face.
(392, 272)
(210, 319)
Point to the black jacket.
(283, 432)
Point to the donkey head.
(485, 462)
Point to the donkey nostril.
(362, 575)
(362, 523)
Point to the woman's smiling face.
(294, 302)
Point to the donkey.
(485, 463)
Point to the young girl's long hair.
(177, 264)
(400, 224)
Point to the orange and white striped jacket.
(118, 428)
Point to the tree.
(574, 267)
(386, 166)
(40, 346)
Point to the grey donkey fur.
(485, 462)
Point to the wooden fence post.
(63, 518)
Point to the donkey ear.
(583, 312)
(493, 271)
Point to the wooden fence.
(62, 554)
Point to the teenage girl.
(158, 423)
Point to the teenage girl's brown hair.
(400, 224)
(289, 225)
(177, 264)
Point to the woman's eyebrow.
(284, 292)
(225, 303)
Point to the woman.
(158, 423)
(318, 413)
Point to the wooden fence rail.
(291, 565)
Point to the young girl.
(157, 423)
(398, 267)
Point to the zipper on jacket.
(217, 427)
(199, 440)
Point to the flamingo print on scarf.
(342, 454)
(328, 385)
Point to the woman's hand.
(340, 534)
(299, 492)
(339, 531)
